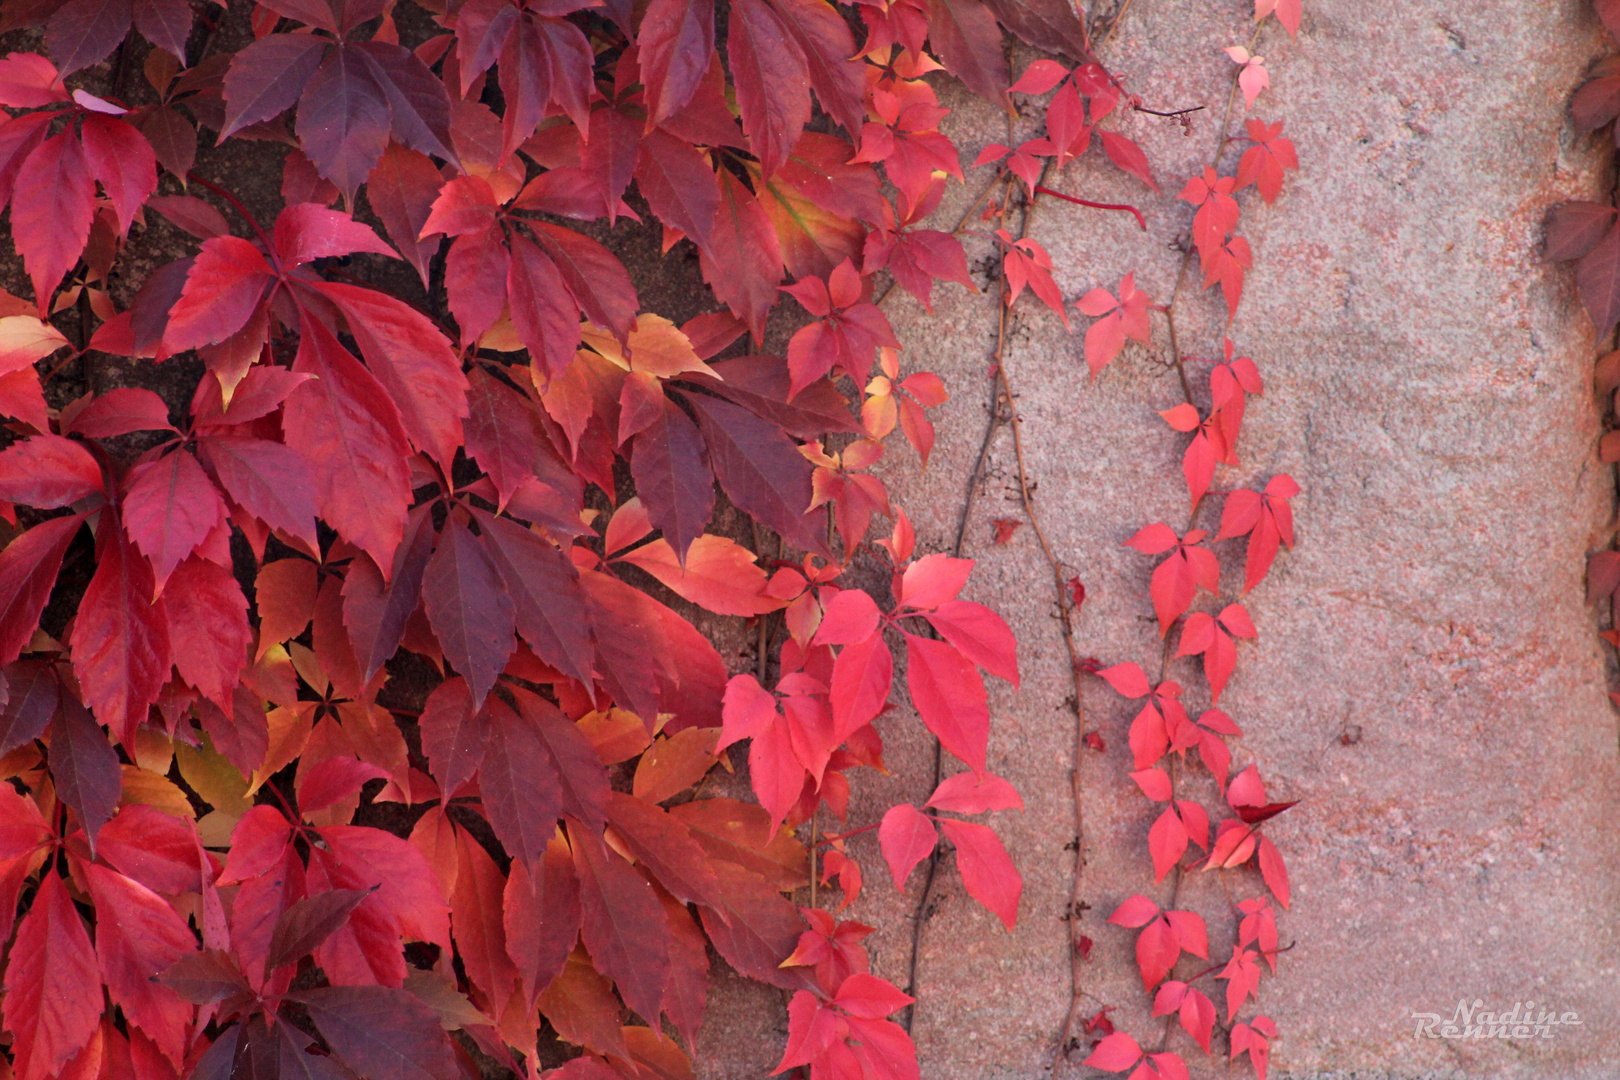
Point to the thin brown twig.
(1224, 141)
(1007, 411)
(1178, 112)
(1111, 26)
(925, 899)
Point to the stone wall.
(1427, 681)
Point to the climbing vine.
(390, 590)
(1163, 731)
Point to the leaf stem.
(1140, 220)
(240, 209)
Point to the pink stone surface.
(1427, 680)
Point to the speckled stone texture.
(1427, 681)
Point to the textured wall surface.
(1427, 681)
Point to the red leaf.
(475, 273)
(674, 481)
(455, 735)
(343, 118)
(501, 433)
(85, 768)
(33, 692)
(609, 157)
(1157, 951)
(122, 159)
(28, 80)
(1273, 870)
(665, 847)
(344, 424)
(755, 929)
(268, 480)
(309, 231)
(119, 412)
(28, 568)
(1197, 1015)
(120, 639)
(401, 190)
(870, 997)
(1155, 783)
(471, 614)
(1115, 1053)
(549, 604)
(155, 849)
(329, 782)
(1127, 679)
(861, 678)
(593, 274)
(980, 634)
(965, 793)
(223, 288)
(933, 580)
(51, 210)
(687, 989)
(987, 870)
(266, 78)
(138, 936)
(968, 41)
(849, 617)
(381, 1032)
(306, 923)
(835, 71)
(771, 79)
(413, 362)
(376, 611)
(48, 471)
(743, 264)
(170, 508)
(1134, 912)
(674, 43)
(762, 472)
(907, 837)
(948, 694)
(405, 884)
(720, 575)
(1049, 25)
(208, 613)
(475, 913)
(544, 311)
(542, 916)
(1128, 157)
(520, 786)
(675, 178)
(1190, 932)
(1167, 840)
(584, 779)
(623, 924)
(53, 989)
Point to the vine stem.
(1222, 143)
(930, 875)
(1223, 140)
(1140, 220)
(270, 248)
